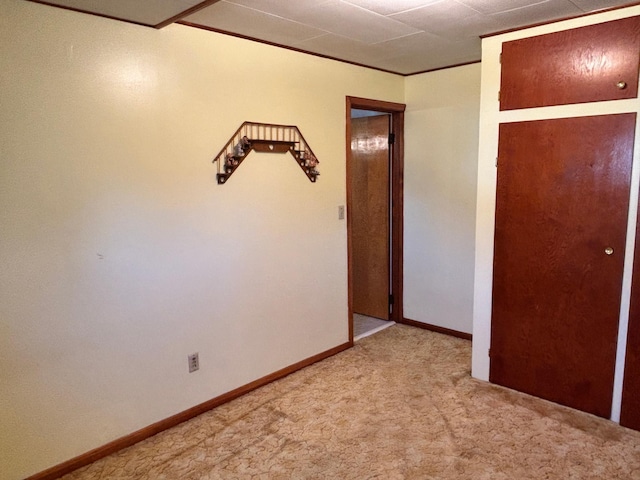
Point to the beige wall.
(490, 118)
(121, 255)
(441, 161)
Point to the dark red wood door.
(587, 64)
(630, 414)
(561, 217)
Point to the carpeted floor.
(399, 405)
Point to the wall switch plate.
(340, 212)
(194, 362)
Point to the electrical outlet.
(340, 212)
(194, 362)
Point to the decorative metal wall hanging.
(265, 138)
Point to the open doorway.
(374, 212)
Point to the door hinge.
(392, 138)
(390, 299)
(496, 162)
(498, 96)
(500, 58)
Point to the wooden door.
(630, 414)
(370, 215)
(562, 203)
(587, 64)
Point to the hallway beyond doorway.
(363, 326)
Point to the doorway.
(370, 213)
(374, 141)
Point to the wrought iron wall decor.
(265, 138)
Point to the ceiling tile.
(353, 22)
(148, 12)
(591, 5)
(285, 9)
(343, 48)
(449, 19)
(252, 23)
(422, 42)
(415, 62)
(424, 51)
(540, 12)
(496, 6)
(385, 7)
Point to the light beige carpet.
(399, 405)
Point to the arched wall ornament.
(265, 138)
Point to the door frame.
(396, 110)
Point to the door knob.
(608, 251)
(621, 84)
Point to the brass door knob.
(608, 251)
(621, 85)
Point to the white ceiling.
(402, 36)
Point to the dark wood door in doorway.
(370, 215)
(561, 218)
